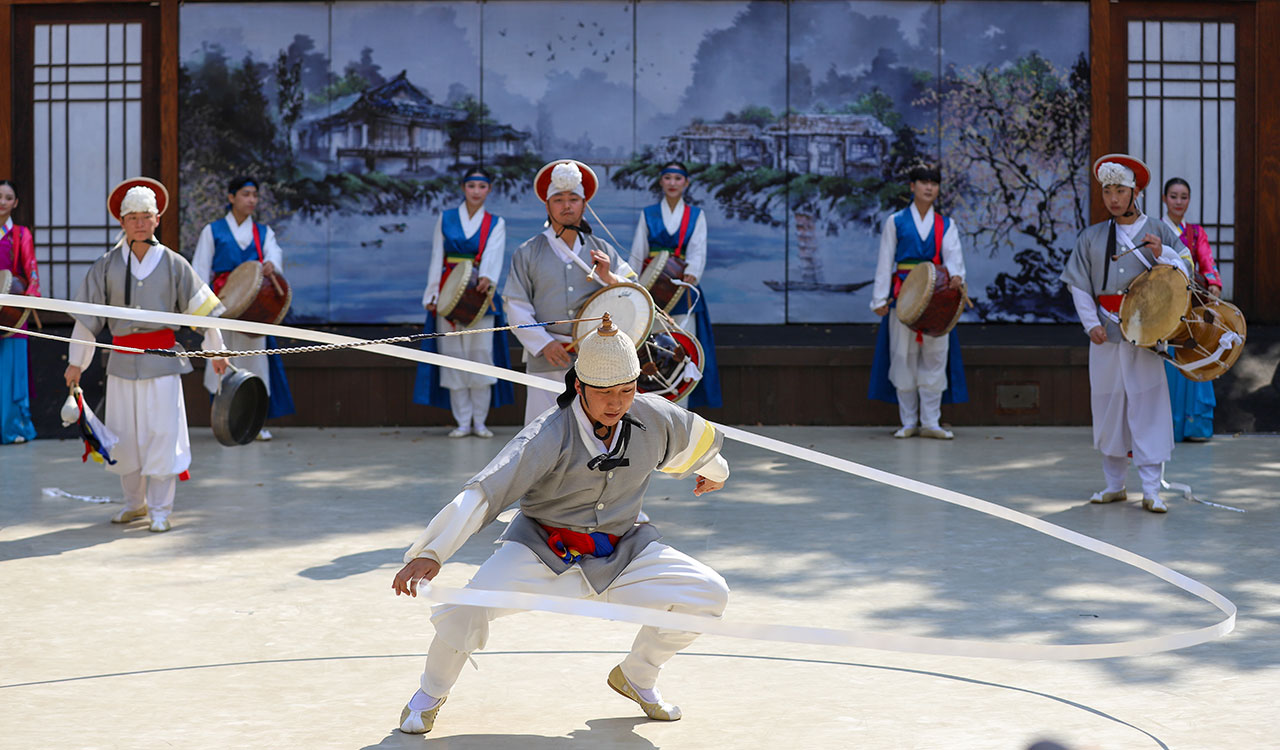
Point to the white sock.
(1150, 475)
(649, 695)
(423, 702)
(908, 407)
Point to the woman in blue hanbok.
(467, 232)
(672, 225)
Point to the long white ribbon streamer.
(789, 633)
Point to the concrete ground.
(266, 619)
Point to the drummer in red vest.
(145, 408)
(466, 233)
(919, 373)
(223, 245)
(1128, 391)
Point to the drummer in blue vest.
(223, 245)
(672, 225)
(919, 373)
(467, 232)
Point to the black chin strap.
(128, 264)
(616, 457)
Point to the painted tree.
(1015, 158)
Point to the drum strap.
(937, 238)
(684, 226)
(485, 224)
(257, 239)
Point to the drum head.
(916, 292)
(1155, 305)
(453, 286)
(629, 306)
(239, 408)
(653, 269)
(241, 288)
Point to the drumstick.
(276, 283)
(1118, 256)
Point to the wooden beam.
(6, 91)
(1264, 302)
(170, 231)
(1102, 125)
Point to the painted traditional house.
(490, 143)
(395, 128)
(719, 143)
(829, 145)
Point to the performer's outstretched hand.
(418, 568)
(705, 485)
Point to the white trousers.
(661, 578)
(154, 492)
(1114, 468)
(537, 400)
(470, 406)
(257, 364)
(473, 347)
(916, 366)
(1129, 395)
(150, 419)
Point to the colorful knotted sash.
(572, 546)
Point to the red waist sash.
(1111, 302)
(571, 546)
(161, 339)
(219, 280)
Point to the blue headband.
(476, 178)
(674, 170)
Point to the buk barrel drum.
(659, 276)
(1217, 332)
(629, 306)
(239, 407)
(249, 294)
(1155, 307)
(926, 302)
(671, 361)
(461, 301)
(12, 317)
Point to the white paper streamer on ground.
(789, 633)
(55, 492)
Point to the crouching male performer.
(579, 473)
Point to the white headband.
(139, 200)
(566, 178)
(1112, 173)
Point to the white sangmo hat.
(139, 200)
(607, 357)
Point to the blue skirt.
(707, 392)
(1192, 403)
(881, 388)
(280, 403)
(426, 387)
(15, 394)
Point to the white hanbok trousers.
(473, 347)
(257, 364)
(1130, 399)
(660, 578)
(538, 400)
(150, 419)
(916, 366)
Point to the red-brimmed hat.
(116, 196)
(1141, 175)
(542, 181)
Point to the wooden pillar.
(6, 90)
(1104, 124)
(1266, 252)
(170, 231)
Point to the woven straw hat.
(607, 357)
